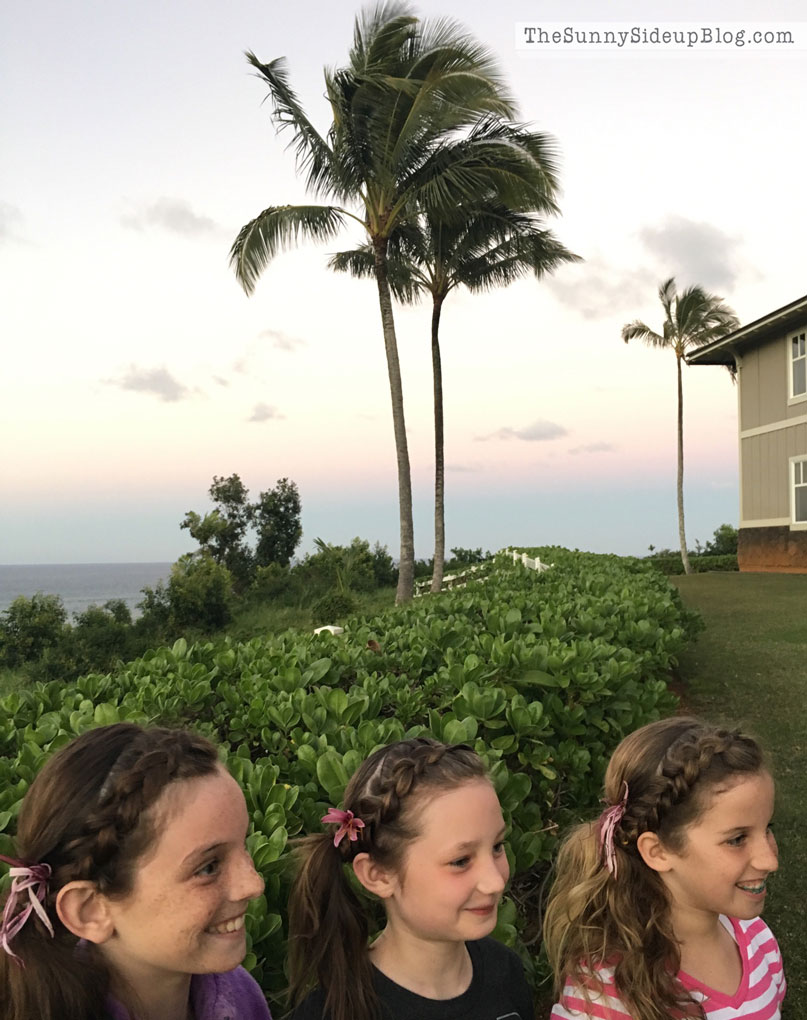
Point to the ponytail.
(328, 934)
(328, 925)
(618, 914)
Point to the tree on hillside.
(417, 125)
(692, 318)
(492, 247)
(224, 534)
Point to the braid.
(671, 796)
(379, 793)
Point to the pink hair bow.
(34, 881)
(609, 819)
(348, 824)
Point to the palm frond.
(276, 228)
(637, 330)
(313, 154)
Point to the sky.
(136, 143)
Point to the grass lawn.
(750, 667)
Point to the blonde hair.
(623, 919)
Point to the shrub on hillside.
(29, 627)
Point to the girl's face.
(729, 852)
(185, 913)
(455, 871)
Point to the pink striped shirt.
(758, 997)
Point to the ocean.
(81, 584)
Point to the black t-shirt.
(498, 991)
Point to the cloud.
(593, 448)
(264, 412)
(597, 290)
(463, 468)
(282, 341)
(539, 431)
(157, 381)
(172, 214)
(220, 380)
(10, 219)
(700, 252)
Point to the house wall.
(765, 474)
(763, 385)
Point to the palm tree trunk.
(681, 533)
(439, 452)
(406, 563)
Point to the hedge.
(543, 673)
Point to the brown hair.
(593, 918)
(328, 926)
(86, 816)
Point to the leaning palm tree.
(691, 319)
(492, 247)
(419, 123)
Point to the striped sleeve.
(602, 1004)
(766, 979)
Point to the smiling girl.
(655, 910)
(423, 831)
(130, 885)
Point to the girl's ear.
(373, 877)
(653, 852)
(84, 911)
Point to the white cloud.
(172, 214)
(282, 341)
(593, 448)
(264, 412)
(539, 431)
(698, 252)
(157, 381)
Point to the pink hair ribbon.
(34, 881)
(348, 824)
(609, 819)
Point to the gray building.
(770, 357)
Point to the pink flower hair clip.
(606, 826)
(32, 880)
(348, 824)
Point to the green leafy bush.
(672, 565)
(543, 673)
(333, 607)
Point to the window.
(798, 365)
(799, 491)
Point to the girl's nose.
(494, 876)
(766, 857)
(248, 883)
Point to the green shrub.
(332, 607)
(672, 565)
(542, 673)
(29, 627)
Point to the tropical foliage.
(542, 673)
(492, 247)
(420, 123)
(692, 318)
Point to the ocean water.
(81, 584)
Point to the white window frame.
(795, 398)
(801, 461)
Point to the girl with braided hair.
(421, 830)
(655, 910)
(130, 885)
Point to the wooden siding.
(766, 472)
(763, 385)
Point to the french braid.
(596, 916)
(88, 816)
(328, 925)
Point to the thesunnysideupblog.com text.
(536, 36)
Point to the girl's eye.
(498, 848)
(461, 862)
(209, 869)
(736, 840)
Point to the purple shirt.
(231, 996)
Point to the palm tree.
(691, 319)
(492, 247)
(419, 123)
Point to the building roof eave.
(726, 350)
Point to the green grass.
(750, 667)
